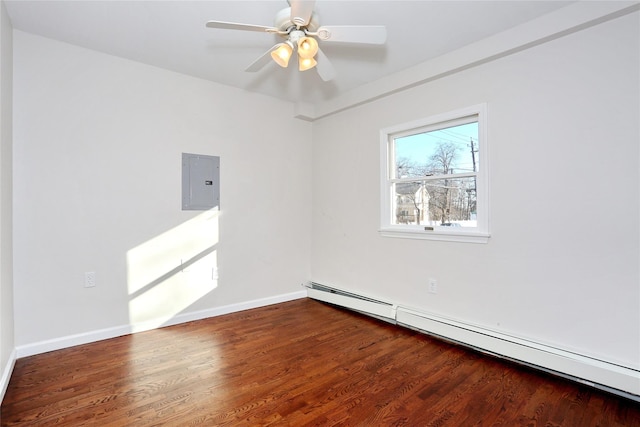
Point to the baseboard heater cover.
(379, 309)
(604, 375)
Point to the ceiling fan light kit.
(307, 49)
(299, 25)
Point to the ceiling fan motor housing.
(284, 24)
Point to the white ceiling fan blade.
(259, 63)
(237, 26)
(370, 34)
(324, 67)
(301, 11)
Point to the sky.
(420, 147)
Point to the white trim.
(479, 234)
(469, 237)
(102, 334)
(609, 376)
(404, 129)
(6, 374)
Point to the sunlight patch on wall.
(173, 270)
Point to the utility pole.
(473, 154)
(475, 180)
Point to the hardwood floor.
(300, 363)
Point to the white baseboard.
(102, 334)
(612, 377)
(6, 374)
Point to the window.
(434, 178)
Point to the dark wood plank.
(300, 363)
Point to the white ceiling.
(172, 35)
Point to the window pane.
(438, 152)
(410, 204)
(447, 202)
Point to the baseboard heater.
(604, 375)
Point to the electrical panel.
(200, 182)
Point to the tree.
(442, 159)
(440, 163)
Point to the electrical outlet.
(89, 279)
(433, 286)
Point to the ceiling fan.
(298, 25)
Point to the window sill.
(463, 237)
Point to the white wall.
(97, 180)
(561, 267)
(6, 233)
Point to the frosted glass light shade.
(282, 53)
(307, 47)
(305, 64)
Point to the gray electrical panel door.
(200, 182)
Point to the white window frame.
(478, 234)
